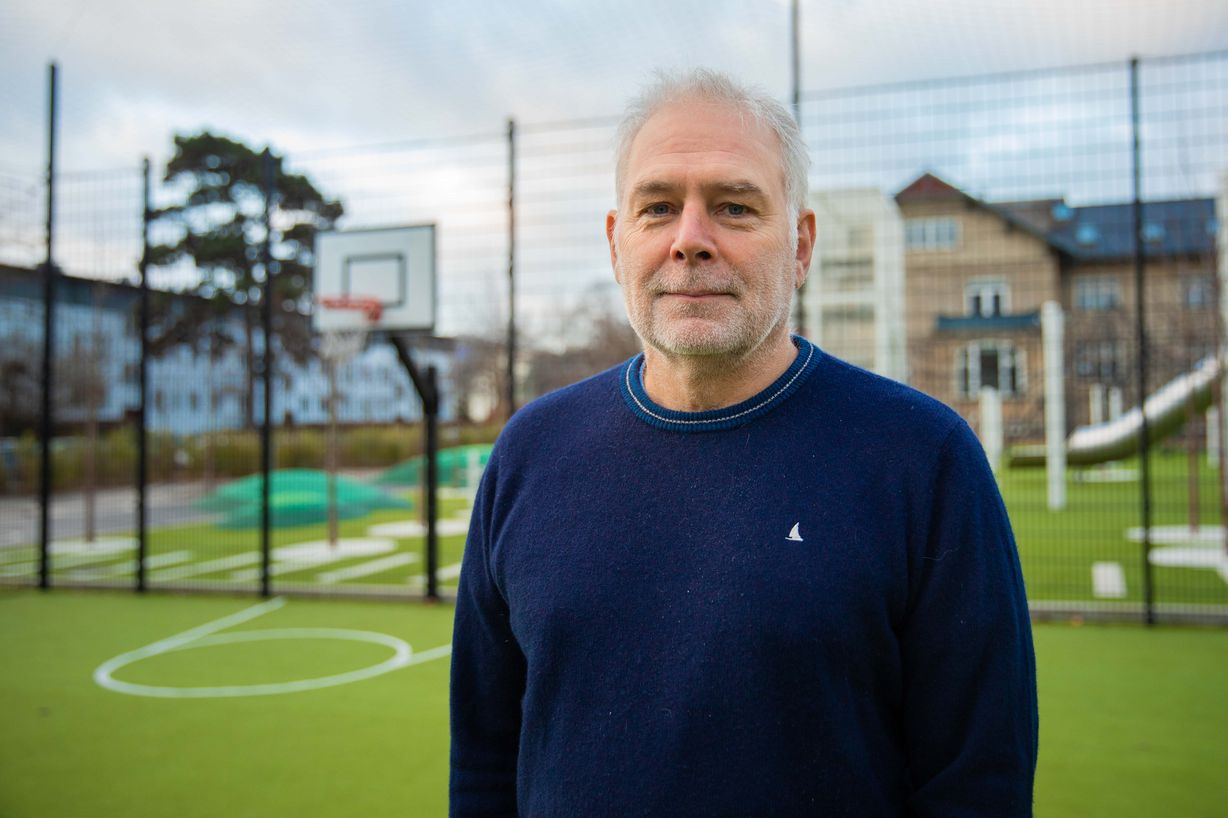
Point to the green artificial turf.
(70, 748)
(1134, 722)
(1058, 548)
(213, 545)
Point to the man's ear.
(805, 246)
(611, 225)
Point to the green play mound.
(453, 467)
(296, 497)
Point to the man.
(734, 575)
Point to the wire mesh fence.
(1042, 251)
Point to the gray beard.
(742, 334)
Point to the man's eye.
(658, 209)
(735, 209)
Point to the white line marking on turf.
(1108, 580)
(207, 634)
(366, 568)
(275, 570)
(401, 656)
(65, 559)
(447, 572)
(1196, 557)
(127, 568)
(428, 655)
(94, 547)
(413, 528)
(207, 567)
(18, 569)
(307, 555)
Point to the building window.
(990, 363)
(847, 274)
(931, 234)
(860, 237)
(1100, 292)
(1086, 234)
(1199, 291)
(986, 298)
(1099, 360)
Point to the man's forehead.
(715, 135)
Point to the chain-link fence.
(1040, 250)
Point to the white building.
(854, 298)
(190, 391)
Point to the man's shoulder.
(870, 401)
(568, 410)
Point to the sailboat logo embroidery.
(795, 534)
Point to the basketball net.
(337, 346)
(340, 344)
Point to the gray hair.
(713, 86)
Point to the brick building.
(977, 273)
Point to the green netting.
(453, 467)
(296, 497)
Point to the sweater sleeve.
(970, 710)
(488, 677)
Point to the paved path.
(115, 510)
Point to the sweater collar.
(632, 387)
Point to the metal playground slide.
(1167, 410)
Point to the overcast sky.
(312, 74)
(307, 76)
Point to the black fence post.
(511, 267)
(427, 385)
(1144, 453)
(266, 428)
(799, 306)
(50, 276)
(432, 484)
(142, 428)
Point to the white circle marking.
(402, 657)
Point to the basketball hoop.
(340, 344)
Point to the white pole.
(1095, 395)
(1213, 437)
(1115, 402)
(1051, 329)
(1221, 239)
(473, 471)
(991, 425)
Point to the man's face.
(703, 244)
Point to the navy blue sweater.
(806, 604)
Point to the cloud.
(306, 76)
(379, 70)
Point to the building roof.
(1184, 227)
(1176, 228)
(27, 283)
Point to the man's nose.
(694, 240)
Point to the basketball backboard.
(395, 265)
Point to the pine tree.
(218, 227)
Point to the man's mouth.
(697, 295)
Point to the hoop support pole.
(428, 389)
